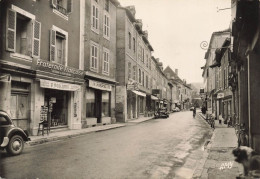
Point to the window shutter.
(11, 30)
(52, 45)
(36, 39)
(69, 6)
(54, 3)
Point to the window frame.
(35, 39)
(129, 40)
(95, 18)
(69, 5)
(106, 53)
(95, 45)
(106, 25)
(53, 31)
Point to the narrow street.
(153, 149)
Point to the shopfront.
(97, 104)
(58, 103)
(57, 96)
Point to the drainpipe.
(249, 102)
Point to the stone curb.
(57, 138)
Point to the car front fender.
(17, 131)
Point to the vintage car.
(12, 138)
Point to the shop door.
(98, 105)
(20, 110)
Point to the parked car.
(176, 109)
(12, 138)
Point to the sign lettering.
(99, 85)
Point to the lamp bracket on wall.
(204, 45)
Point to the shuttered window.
(11, 30)
(23, 33)
(58, 46)
(94, 57)
(52, 45)
(36, 39)
(106, 26)
(95, 17)
(105, 61)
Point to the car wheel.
(15, 146)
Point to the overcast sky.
(177, 27)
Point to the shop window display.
(57, 102)
(90, 103)
(105, 104)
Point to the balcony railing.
(61, 9)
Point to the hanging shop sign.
(58, 85)
(100, 85)
(220, 95)
(132, 85)
(56, 68)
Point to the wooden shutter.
(52, 45)
(69, 6)
(36, 39)
(11, 30)
(54, 3)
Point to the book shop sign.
(56, 68)
(58, 86)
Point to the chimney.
(139, 23)
(132, 10)
(145, 34)
(176, 71)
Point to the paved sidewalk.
(60, 135)
(219, 160)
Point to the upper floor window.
(23, 33)
(129, 40)
(147, 63)
(140, 76)
(143, 55)
(143, 78)
(147, 82)
(105, 61)
(62, 6)
(106, 26)
(58, 45)
(107, 5)
(94, 54)
(139, 52)
(129, 70)
(134, 72)
(134, 48)
(95, 17)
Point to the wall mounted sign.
(220, 95)
(58, 85)
(100, 85)
(132, 85)
(56, 68)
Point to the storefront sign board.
(100, 85)
(46, 66)
(58, 85)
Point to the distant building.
(133, 67)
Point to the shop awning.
(139, 93)
(153, 97)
